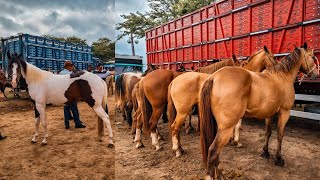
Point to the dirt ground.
(76, 153)
(301, 150)
(70, 154)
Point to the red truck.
(242, 27)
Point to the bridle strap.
(315, 66)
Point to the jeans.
(67, 114)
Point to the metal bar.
(222, 31)
(307, 115)
(304, 97)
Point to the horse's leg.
(188, 126)
(175, 131)
(222, 138)
(268, 130)
(129, 112)
(105, 117)
(137, 138)
(37, 123)
(164, 114)
(237, 134)
(156, 113)
(42, 112)
(282, 121)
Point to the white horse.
(48, 88)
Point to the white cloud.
(87, 19)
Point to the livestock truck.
(240, 27)
(46, 53)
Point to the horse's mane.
(36, 74)
(286, 63)
(215, 66)
(253, 55)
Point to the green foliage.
(71, 39)
(104, 49)
(161, 11)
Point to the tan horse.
(124, 86)
(109, 82)
(183, 93)
(153, 90)
(232, 93)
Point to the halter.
(316, 66)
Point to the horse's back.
(155, 85)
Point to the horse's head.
(309, 60)
(260, 60)
(14, 68)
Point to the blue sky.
(125, 7)
(88, 19)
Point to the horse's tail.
(119, 92)
(145, 108)
(172, 112)
(208, 124)
(105, 107)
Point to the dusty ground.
(301, 150)
(76, 153)
(70, 154)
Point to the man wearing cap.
(102, 74)
(68, 69)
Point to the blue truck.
(46, 53)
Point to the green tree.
(71, 39)
(161, 11)
(104, 49)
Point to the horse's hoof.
(178, 153)
(160, 138)
(158, 148)
(208, 177)
(239, 145)
(139, 145)
(279, 162)
(189, 130)
(110, 145)
(44, 143)
(265, 154)
(33, 142)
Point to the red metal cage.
(234, 26)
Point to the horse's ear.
(234, 58)
(305, 46)
(20, 56)
(265, 49)
(9, 55)
(295, 46)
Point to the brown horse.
(124, 86)
(233, 93)
(183, 92)
(3, 83)
(109, 82)
(153, 90)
